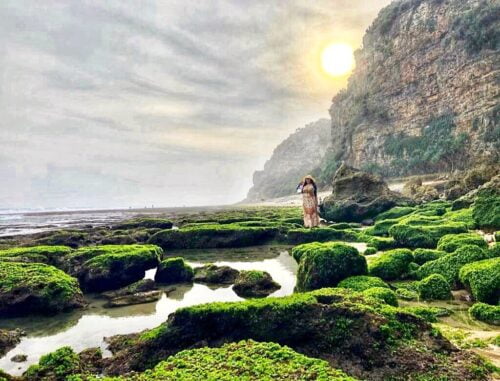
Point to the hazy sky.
(131, 103)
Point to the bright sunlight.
(337, 59)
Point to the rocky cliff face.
(424, 94)
(294, 158)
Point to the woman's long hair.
(313, 182)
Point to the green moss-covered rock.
(482, 278)
(213, 274)
(434, 287)
(451, 242)
(245, 360)
(27, 288)
(65, 365)
(71, 238)
(213, 236)
(425, 236)
(174, 270)
(379, 243)
(428, 313)
(357, 333)
(145, 223)
(320, 234)
(463, 215)
(382, 293)
(395, 213)
(486, 209)
(381, 228)
(391, 264)
(485, 312)
(362, 282)
(52, 255)
(370, 250)
(406, 294)
(449, 265)
(326, 265)
(254, 284)
(108, 267)
(422, 256)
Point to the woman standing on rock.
(309, 201)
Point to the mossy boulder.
(486, 208)
(321, 234)
(362, 282)
(451, 242)
(381, 228)
(174, 270)
(449, 265)
(254, 284)
(51, 255)
(145, 223)
(64, 364)
(395, 213)
(482, 279)
(425, 236)
(361, 335)
(245, 360)
(434, 287)
(485, 312)
(213, 236)
(326, 265)
(370, 250)
(383, 294)
(213, 274)
(421, 256)
(71, 238)
(109, 267)
(27, 288)
(406, 294)
(392, 264)
(143, 291)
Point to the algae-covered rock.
(51, 255)
(213, 236)
(362, 282)
(449, 265)
(424, 236)
(486, 312)
(145, 223)
(358, 195)
(451, 242)
(108, 267)
(486, 208)
(392, 264)
(383, 294)
(174, 270)
(320, 234)
(71, 238)
(213, 274)
(143, 291)
(361, 335)
(254, 284)
(27, 288)
(482, 279)
(9, 339)
(326, 265)
(434, 287)
(244, 360)
(421, 256)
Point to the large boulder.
(214, 274)
(392, 264)
(255, 284)
(109, 267)
(174, 270)
(27, 288)
(482, 279)
(364, 337)
(358, 196)
(325, 265)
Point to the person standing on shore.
(309, 192)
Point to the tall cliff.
(295, 157)
(424, 95)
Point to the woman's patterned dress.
(311, 218)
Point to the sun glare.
(337, 59)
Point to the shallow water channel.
(87, 328)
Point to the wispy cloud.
(119, 103)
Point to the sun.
(337, 59)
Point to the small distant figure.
(309, 192)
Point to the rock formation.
(358, 195)
(294, 158)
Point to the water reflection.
(87, 328)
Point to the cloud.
(109, 104)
